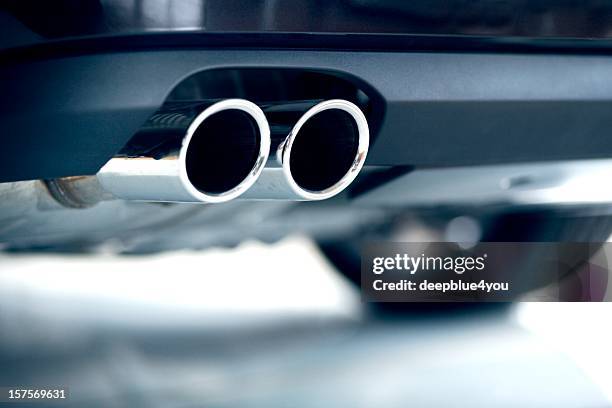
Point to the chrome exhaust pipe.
(195, 152)
(316, 158)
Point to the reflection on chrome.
(214, 157)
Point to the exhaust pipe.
(194, 152)
(316, 158)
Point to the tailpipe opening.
(319, 157)
(224, 151)
(326, 149)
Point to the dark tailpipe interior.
(223, 151)
(324, 149)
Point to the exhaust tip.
(325, 150)
(224, 150)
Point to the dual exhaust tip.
(225, 150)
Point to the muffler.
(315, 158)
(186, 152)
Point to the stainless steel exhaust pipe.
(197, 152)
(318, 157)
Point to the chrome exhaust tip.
(222, 153)
(320, 157)
(224, 150)
(325, 150)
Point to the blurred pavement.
(274, 325)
